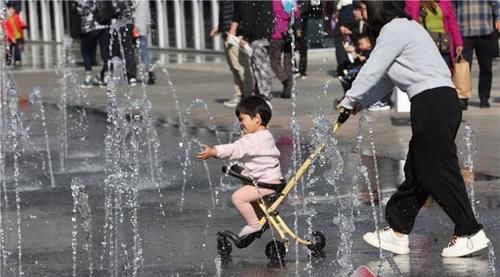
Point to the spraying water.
(36, 98)
(81, 207)
(468, 150)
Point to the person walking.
(283, 12)
(91, 34)
(478, 21)
(256, 153)
(142, 25)
(438, 18)
(405, 56)
(238, 61)
(255, 20)
(300, 29)
(13, 27)
(120, 13)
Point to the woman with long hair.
(405, 56)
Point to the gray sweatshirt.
(404, 56)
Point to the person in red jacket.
(13, 27)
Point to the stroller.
(276, 249)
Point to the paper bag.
(462, 78)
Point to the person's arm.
(236, 150)
(206, 153)
(236, 18)
(495, 4)
(412, 8)
(372, 82)
(452, 25)
(214, 31)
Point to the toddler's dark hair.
(254, 105)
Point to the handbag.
(462, 78)
(442, 40)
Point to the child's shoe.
(249, 229)
(465, 245)
(388, 241)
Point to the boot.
(151, 78)
(287, 89)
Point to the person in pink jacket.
(430, 11)
(283, 11)
(256, 153)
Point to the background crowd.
(263, 38)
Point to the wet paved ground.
(184, 243)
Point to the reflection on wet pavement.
(184, 243)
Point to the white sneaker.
(465, 245)
(89, 82)
(388, 241)
(232, 103)
(379, 106)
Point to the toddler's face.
(364, 44)
(248, 124)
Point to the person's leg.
(484, 52)
(275, 50)
(86, 50)
(435, 166)
(146, 59)
(242, 199)
(261, 67)
(232, 59)
(8, 53)
(248, 84)
(129, 52)
(103, 37)
(303, 48)
(404, 205)
(143, 51)
(17, 51)
(287, 63)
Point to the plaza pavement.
(206, 77)
(181, 248)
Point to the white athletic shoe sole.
(371, 239)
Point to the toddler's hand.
(206, 153)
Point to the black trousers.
(484, 46)
(89, 43)
(281, 67)
(431, 166)
(128, 44)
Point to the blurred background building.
(176, 24)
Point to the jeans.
(142, 42)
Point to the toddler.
(13, 27)
(359, 57)
(256, 153)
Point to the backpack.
(104, 12)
